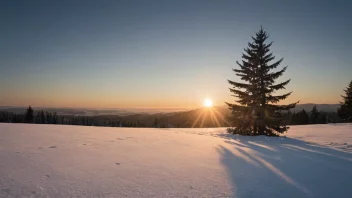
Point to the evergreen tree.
(47, 117)
(294, 119)
(303, 117)
(156, 123)
(300, 118)
(29, 116)
(55, 118)
(42, 117)
(314, 116)
(322, 118)
(345, 111)
(256, 111)
(37, 118)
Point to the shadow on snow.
(284, 167)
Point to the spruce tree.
(314, 115)
(303, 117)
(345, 111)
(257, 111)
(322, 118)
(55, 118)
(156, 123)
(42, 117)
(29, 116)
(294, 119)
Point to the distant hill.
(320, 107)
(156, 112)
(212, 117)
(202, 117)
(92, 112)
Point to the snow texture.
(79, 161)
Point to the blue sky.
(111, 54)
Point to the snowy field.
(78, 161)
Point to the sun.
(207, 102)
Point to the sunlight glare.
(207, 102)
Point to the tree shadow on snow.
(285, 167)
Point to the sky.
(165, 54)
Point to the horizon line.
(123, 108)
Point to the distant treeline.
(43, 117)
(162, 121)
(313, 117)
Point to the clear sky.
(111, 54)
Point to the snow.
(79, 161)
(337, 136)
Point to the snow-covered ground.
(78, 161)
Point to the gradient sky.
(111, 54)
